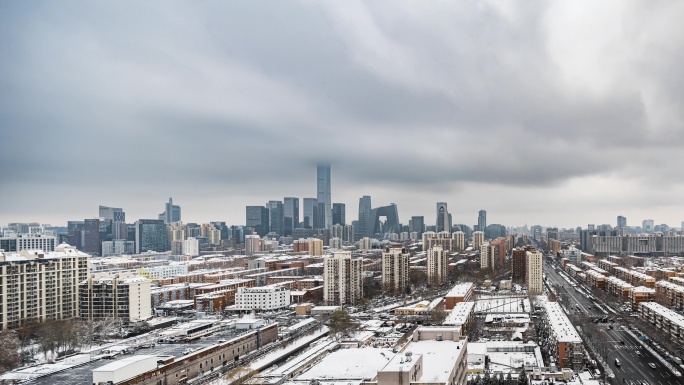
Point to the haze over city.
(482, 105)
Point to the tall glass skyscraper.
(324, 196)
(482, 220)
(365, 228)
(290, 215)
(310, 213)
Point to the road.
(633, 369)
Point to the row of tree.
(500, 379)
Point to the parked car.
(652, 365)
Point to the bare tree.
(9, 351)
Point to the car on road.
(652, 365)
(622, 342)
(638, 352)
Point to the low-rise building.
(664, 319)
(262, 298)
(564, 343)
(462, 292)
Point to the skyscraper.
(275, 217)
(324, 197)
(364, 217)
(648, 225)
(150, 234)
(338, 214)
(172, 213)
(290, 215)
(91, 236)
(621, 222)
(418, 225)
(482, 220)
(343, 279)
(112, 213)
(442, 218)
(310, 213)
(257, 219)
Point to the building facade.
(395, 269)
(124, 296)
(342, 279)
(535, 272)
(436, 266)
(262, 298)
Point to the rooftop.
(562, 329)
(460, 290)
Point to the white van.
(617, 362)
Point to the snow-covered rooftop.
(562, 329)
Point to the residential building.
(342, 279)
(485, 256)
(40, 285)
(252, 244)
(117, 247)
(663, 319)
(565, 344)
(348, 234)
(191, 247)
(21, 242)
(478, 239)
(448, 241)
(315, 246)
(124, 296)
(263, 298)
(535, 271)
(519, 259)
(366, 244)
(395, 269)
(335, 243)
(436, 266)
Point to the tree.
(509, 379)
(522, 377)
(437, 315)
(240, 375)
(340, 323)
(9, 351)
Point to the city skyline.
(479, 105)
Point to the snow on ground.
(266, 360)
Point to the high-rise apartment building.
(365, 228)
(485, 256)
(252, 244)
(28, 242)
(436, 266)
(342, 279)
(257, 219)
(395, 269)
(519, 260)
(172, 213)
(348, 234)
(150, 235)
(478, 239)
(459, 240)
(335, 243)
(39, 285)
(124, 296)
(118, 247)
(290, 215)
(315, 246)
(310, 213)
(535, 272)
(444, 239)
(191, 247)
(339, 214)
(324, 196)
(482, 220)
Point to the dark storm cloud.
(226, 104)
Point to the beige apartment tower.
(534, 272)
(478, 239)
(436, 266)
(342, 279)
(395, 269)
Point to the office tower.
(124, 296)
(418, 225)
(495, 231)
(191, 247)
(364, 217)
(436, 266)
(465, 229)
(648, 225)
(310, 213)
(395, 269)
(536, 232)
(482, 220)
(172, 213)
(112, 213)
(520, 265)
(342, 279)
(338, 214)
(257, 218)
(150, 235)
(118, 247)
(442, 223)
(485, 256)
(193, 230)
(324, 197)
(534, 272)
(621, 222)
(290, 215)
(391, 225)
(38, 286)
(91, 237)
(252, 244)
(552, 233)
(275, 217)
(478, 239)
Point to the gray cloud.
(555, 113)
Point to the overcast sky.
(555, 113)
